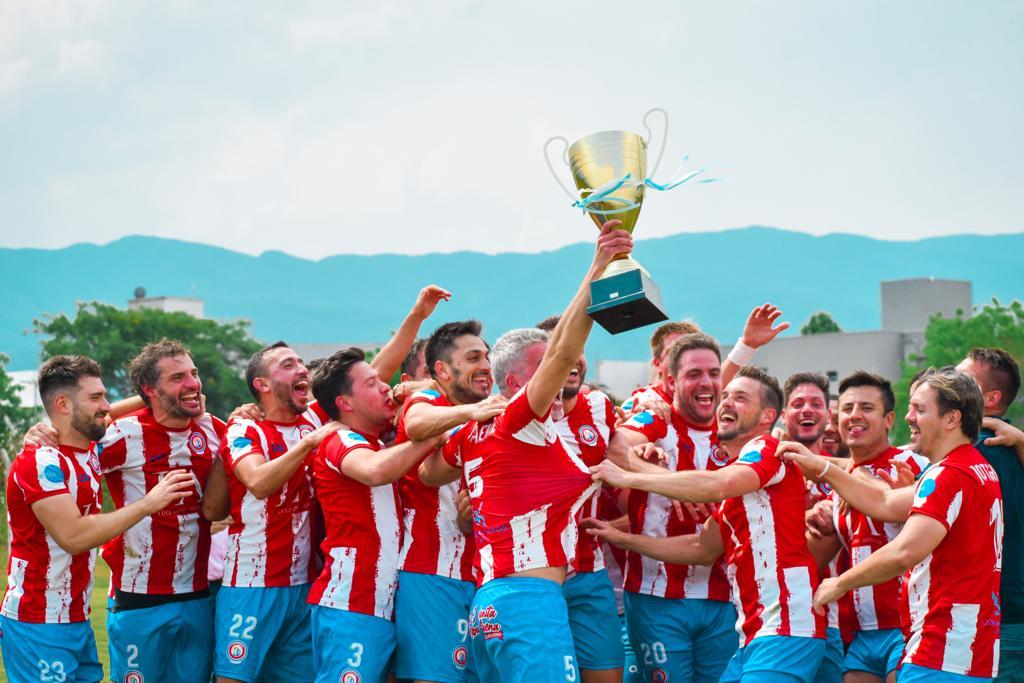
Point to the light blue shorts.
(831, 668)
(49, 652)
(877, 652)
(349, 647)
(910, 673)
(432, 623)
(519, 630)
(170, 643)
(771, 659)
(680, 639)
(594, 620)
(630, 669)
(263, 634)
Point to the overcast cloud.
(319, 128)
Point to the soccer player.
(354, 476)
(998, 376)
(159, 626)
(870, 618)
(679, 617)
(435, 581)
(527, 489)
(586, 427)
(806, 417)
(414, 367)
(759, 526)
(53, 502)
(262, 624)
(661, 341)
(951, 543)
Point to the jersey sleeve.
(648, 424)
(243, 439)
(759, 455)
(112, 449)
(451, 452)
(336, 449)
(940, 494)
(423, 396)
(41, 474)
(521, 423)
(917, 463)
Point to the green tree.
(113, 336)
(820, 323)
(947, 341)
(14, 420)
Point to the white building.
(906, 307)
(168, 304)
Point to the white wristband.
(741, 354)
(828, 463)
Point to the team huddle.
(493, 518)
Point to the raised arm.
(702, 548)
(391, 355)
(570, 335)
(758, 331)
(692, 486)
(868, 495)
(76, 533)
(376, 468)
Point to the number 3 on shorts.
(357, 654)
(570, 669)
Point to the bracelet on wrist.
(824, 470)
(741, 354)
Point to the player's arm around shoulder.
(701, 548)
(379, 467)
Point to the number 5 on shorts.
(570, 669)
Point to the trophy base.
(625, 301)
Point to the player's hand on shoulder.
(403, 390)
(1004, 434)
(248, 411)
(41, 434)
(174, 487)
(490, 407)
(646, 454)
(901, 475)
(317, 436)
(794, 452)
(655, 404)
(428, 299)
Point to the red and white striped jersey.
(269, 541)
(433, 542)
(45, 584)
(165, 553)
(953, 594)
(527, 489)
(364, 532)
(316, 415)
(872, 607)
(646, 394)
(587, 430)
(651, 514)
(773, 574)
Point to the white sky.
(319, 128)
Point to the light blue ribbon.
(603, 193)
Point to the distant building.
(906, 307)
(28, 387)
(309, 351)
(168, 304)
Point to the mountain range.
(714, 278)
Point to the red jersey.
(316, 415)
(364, 533)
(269, 541)
(168, 552)
(527, 489)
(870, 608)
(953, 594)
(433, 543)
(651, 514)
(646, 394)
(587, 430)
(45, 584)
(773, 573)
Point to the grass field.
(99, 609)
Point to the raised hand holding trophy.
(610, 172)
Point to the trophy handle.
(547, 160)
(650, 136)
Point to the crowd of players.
(715, 526)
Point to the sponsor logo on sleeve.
(642, 419)
(53, 474)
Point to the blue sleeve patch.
(644, 418)
(99, 448)
(628, 404)
(53, 474)
(431, 393)
(927, 488)
(751, 457)
(456, 430)
(241, 442)
(353, 436)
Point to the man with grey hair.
(526, 489)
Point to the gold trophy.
(610, 172)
